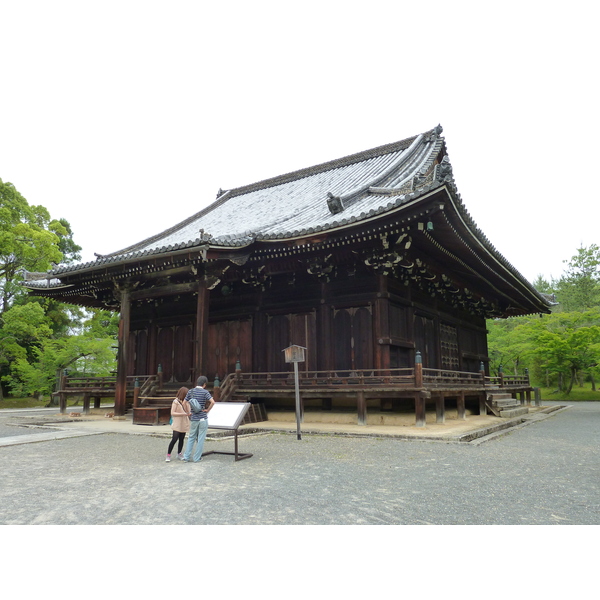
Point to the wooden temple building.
(370, 262)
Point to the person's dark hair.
(202, 380)
(182, 393)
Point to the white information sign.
(227, 415)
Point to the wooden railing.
(417, 378)
(78, 385)
(87, 383)
(439, 377)
(143, 385)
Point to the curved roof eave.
(489, 249)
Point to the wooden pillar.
(362, 408)
(381, 328)
(460, 405)
(123, 355)
(440, 409)
(136, 393)
(216, 391)
(420, 404)
(418, 371)
(420, 409)
(152, 348)
(325, 333)
(482, 406)
(86, 404)
(201, 345)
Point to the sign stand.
(228, 415)
(295, 354)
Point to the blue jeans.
(197, 433)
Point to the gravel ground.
(542, 474)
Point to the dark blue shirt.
(203, 396)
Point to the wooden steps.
(155, 410)
(502, 404)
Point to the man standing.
(201, 402)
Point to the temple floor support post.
(440, 409)
(362, 408)
(420, 398)
(460, 406)
(420, 409)
(86, 404)
(482, 406)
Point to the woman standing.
(180, 412)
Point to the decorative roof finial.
(334, 203)
(445, 169)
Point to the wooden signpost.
(295, 354)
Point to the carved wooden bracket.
(321, 267)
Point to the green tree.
(36, 364)
(24, 328)
(82, 353)
(508, 344)
(579, 287)
(39, 336)
(568, 344)
(29, 240)
(564, 344)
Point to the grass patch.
(8, 402)
(578, 394)
(74, 401)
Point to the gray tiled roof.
(295, 204)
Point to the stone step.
(505, 402)
(514, 412)
(500, 396)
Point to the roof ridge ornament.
(436, 132)
(334, 203)
(444, 170)
(204, 236)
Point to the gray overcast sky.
(127, 117)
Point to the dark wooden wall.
(346, 325)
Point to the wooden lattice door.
(353, 338)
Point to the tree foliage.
(30, 240)
(561, 346)
(39, 337)
(84, 353)
(579, 287)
